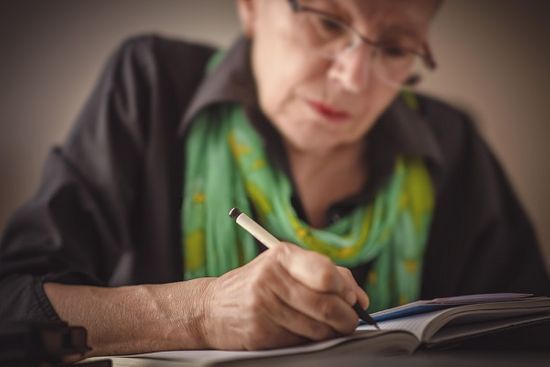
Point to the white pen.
(256, 230)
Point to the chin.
(318, 142)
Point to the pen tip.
(363, 315)
(234, 213)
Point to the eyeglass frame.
(426, 57)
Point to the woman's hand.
(285, 296)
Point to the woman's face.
(319, 103)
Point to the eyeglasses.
(399, 62)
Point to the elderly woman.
(307, 124)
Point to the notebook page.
(206, 357)
(463, 330)
(481, 298)
(416, 324)
(440, 303)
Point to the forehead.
(370, 16)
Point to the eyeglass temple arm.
(429, 58)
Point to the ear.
(247, 14)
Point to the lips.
(329, 112)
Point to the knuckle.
(326, 309)
(326, 276)
(324, 260)
(280, 254)
(346, 272)
(283, 248)
(255, 305)
(276, 250)
(260, 278)
(255, 280)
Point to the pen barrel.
(257, 231)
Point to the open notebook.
(404, 329)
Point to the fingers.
(277, 337)
(321, 308)
(314, 270)
(362, 297)
(300, 324)
(318, 272)
(268, 334)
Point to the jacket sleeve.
(77, 227)
(481, 239)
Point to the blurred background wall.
(493, 57)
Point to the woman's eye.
(330, 26)
(394, 51)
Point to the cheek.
(281, 73)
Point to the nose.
(352, 69)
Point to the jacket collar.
(409, 131)
(230, 81)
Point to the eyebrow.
(399, 29)
(404, 26)
(348, 16)
(333, 9)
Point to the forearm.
(134, 319)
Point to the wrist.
(182, 312)
(204, 306)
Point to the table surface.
(418, 360)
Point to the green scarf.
(226, 166)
